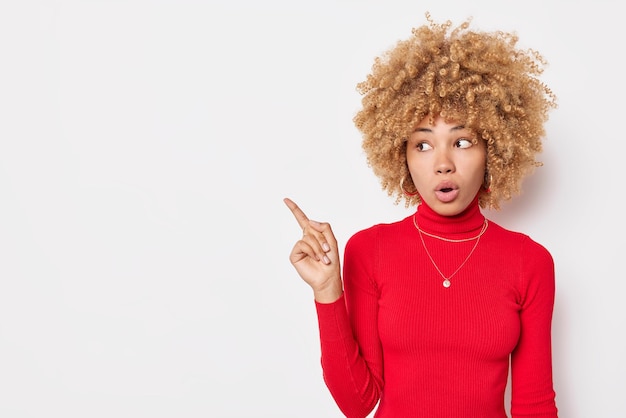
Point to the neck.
(459, 226)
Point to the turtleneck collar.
(467, 223)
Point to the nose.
(443, 163)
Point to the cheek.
(416, 169)
(420, 178)
(477, 171)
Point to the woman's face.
(446, 166)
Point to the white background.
(146, 146)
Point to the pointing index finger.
(302, 219)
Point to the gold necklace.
(446, 280)
(482, 231)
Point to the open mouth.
(447, 191)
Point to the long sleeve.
(531, 361)
(350, 346)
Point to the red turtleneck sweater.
(398, 336)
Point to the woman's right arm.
(350, 347)
(352, 357)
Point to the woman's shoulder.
(518, 240)
(379, 231)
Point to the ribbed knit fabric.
(425, 351)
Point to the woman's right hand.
(316, 256)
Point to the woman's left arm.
(532, 393)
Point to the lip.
(446, 191)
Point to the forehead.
(439, 124)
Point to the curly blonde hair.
(479, 79)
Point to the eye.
(464, 143)
(423, 146)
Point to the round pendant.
(446, 283)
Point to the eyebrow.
(456, 128)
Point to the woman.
(430, 310)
